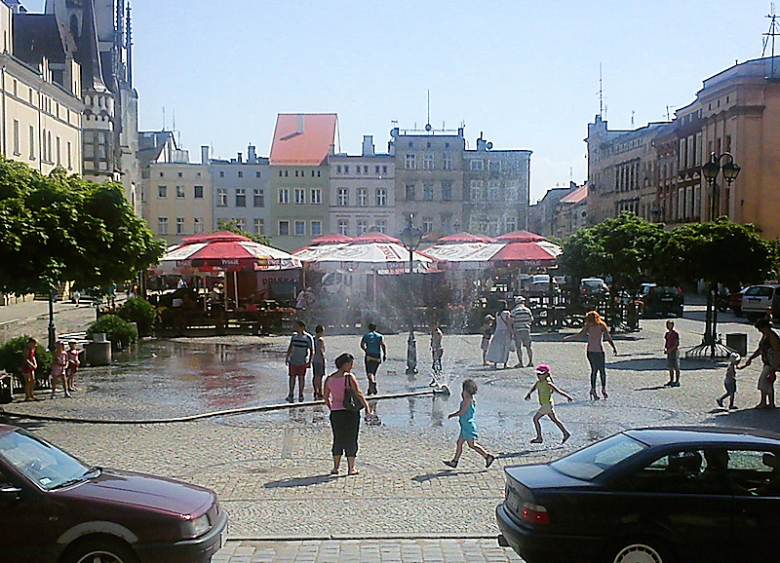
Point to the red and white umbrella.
(321, 246)
(522, 248)
(223, 252)
(454, 251)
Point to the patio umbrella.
(454, 251)
(522, 248)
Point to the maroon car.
(53, 508)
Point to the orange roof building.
(304, 139)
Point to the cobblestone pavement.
(270, 470)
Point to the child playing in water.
(468, 428)
(545, 387)
(730, 382)
(437, 351)
(59, 363)
(318, 361)
(73, 366)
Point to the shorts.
(318, 368)
(730, 385)
(673, 359)
(766, 381)
(297, 371)
(523, 338)
(546, 409)
(372, 365)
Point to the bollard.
(99, 350)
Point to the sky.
(524, 73)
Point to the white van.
(758, 298)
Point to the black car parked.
(661, 300)
(649, 495)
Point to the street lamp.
(710, 345)
(411, 237)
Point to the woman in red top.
(29, 365)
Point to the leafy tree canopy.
(63, 228)
(232, 226)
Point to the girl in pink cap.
(545, 387)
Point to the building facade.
(542, 214)
(571, 213)
(40, 91)
(362, 193)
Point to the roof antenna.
(774, 31)
(163, 118)
(632, 118)
(428, 126)
(601, 94)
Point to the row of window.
(286, 173)
(197, 192)
(362, 197)
(362, 226)
(258, 197)
(492, 192)
(299, 228)
(49, 149)
(181, 174)
(428, 192)
(299, 194)
(492, 226)
(198, 225)
(240, 174)
(362, 169)
(428, 161)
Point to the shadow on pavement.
(513, 455)
(292, 482)
(443, 473)
(655, 364)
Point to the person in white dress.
(501, 343)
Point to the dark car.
(53, 508)
(649, 495)
(661, 300)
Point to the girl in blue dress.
(468, 428)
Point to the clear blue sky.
(524, 72)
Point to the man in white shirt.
(522, 319)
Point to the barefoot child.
(672, 350)
(545, 387)
(318, 362)
(73, 366)
(468, 428)
(58, 365)
(730, 382)
(29, 365)
(437, 351)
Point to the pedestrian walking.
(488, 324)
(437, 352)
(544, 388)
(522, 319)
(730, 382)
(59, 364)
(468, 427)
(501, 343)
(73, 366)
(769, 350)
(373, 344)
(596, 330)
(29, 365)
(672, 351)
(318, 363)
(299, 357)
(344, 423)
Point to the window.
(343, 227)
(446, 191)
(362, 227)
(180, 174)
(357, 169)
(222, 197)
(259, 198)
(240, 174)
(346, 169)
(198, 192)
(381, 197)
(381, 225)
(240, 197)
(180, 225)
(362, 197)
(427, 192)
(428, 161)
(257, 174)
(316, 228)
(477, 165)
(410, 162)
(16, 137)
(43, 146)
(427, 224)
(32, 142)
(316, 196)
(300, 196)
(343, 197)
(477, 190)
(197, 225)
(494, 165)
(179, 192)
(284, 228)
(446, 222)
(365, 169)
(410, 192)
(338, 169)
(240, 223)
(511, 224)
(376, 170)
(222, 173)
(493, 189)
(70, 157)
(446, 162)
(162, 225)
(162, 192)
(284, 196)
(384, 169)
(259, 226)
(511, 193)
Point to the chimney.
(239, 159)
(204, 154)
(368, 145)
(251, 155)
(300, 123)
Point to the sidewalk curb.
(364, 537)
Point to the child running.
(58, 366)
(468, 428)
(545, 387)
(730, 382)
(73, 366)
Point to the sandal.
(489, 460)
(353, 472)
(452, 464)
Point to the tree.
(58, 227)
(232, 226)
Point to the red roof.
(331, 239)
(303, 139)
(520, 236)
(375, 237)
(523, 252)
(577, 195)
(221, 236)
(465, 237)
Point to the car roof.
(660, 436)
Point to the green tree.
(58, 227)
(232, 226)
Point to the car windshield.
(590, 462)
(47, 466)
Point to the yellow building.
(41, 112)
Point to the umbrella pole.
(235, 287)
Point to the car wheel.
(100, 551)
(640, 552)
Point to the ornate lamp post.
(410, 238)
(710, 345)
